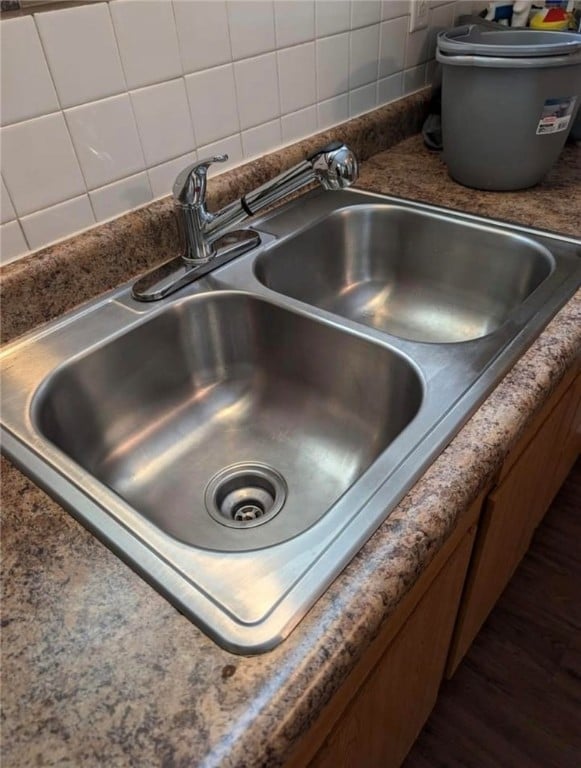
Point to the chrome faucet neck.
(207, 238)
(334, 167)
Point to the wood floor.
(515, 701)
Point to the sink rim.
(260, 632)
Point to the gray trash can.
(509, 99)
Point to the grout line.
(46, 59)
(128, 92)
(231, 64)
(175, 29)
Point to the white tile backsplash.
(392, 46)
(294, 22)
(390, 88)
(32, 93)
(106, 140)
(414, 78)
(163, 121)
(362, 99)
(121, 196)
(332, 17)
(12, 242)
(203, 44)
(147, 38)
(364, 53)
(39, 165)
(251, 25)
(57, 221)
(417, 48)
(212, 99)
(296, 75)
(332, 66)
(82, 53)
(7, 212)
(260, 140)
(365, 12)
(299, 124)
(391, 9)
(333, 111)
(257, 90)
(146, 86)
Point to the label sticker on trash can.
(556, 115)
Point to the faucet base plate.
(179, 272)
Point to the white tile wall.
(392, 9)
(363, 56)
(332, 66)
(12, 242)
(296, 67)
(121, 196)
(333, 111)
(148, 42)
(299, 124)
(294, 22)
(251, 25)
(7, 212)
(103, 104)
(333, 16)
(163, 121)
(390, 88)
(257, 141)
(82, 53)
(55, 222)
(365, 12)
(393, 37)
(213, 118)
(39, 165)
(202, 45)
(106, 140)
(257, 89)
(362, 99)
(32, 93)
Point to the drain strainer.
(245, 495)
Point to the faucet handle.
(190, 185)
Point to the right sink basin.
(412, 274)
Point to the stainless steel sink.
(222, 381)
(238, 442)
(410, 273)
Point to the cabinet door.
(511, 514)
(381, 723)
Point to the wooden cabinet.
(380, 710)
(530, 478)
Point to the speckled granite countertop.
(98, 669)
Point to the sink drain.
(245, 495)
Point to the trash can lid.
(481, 41)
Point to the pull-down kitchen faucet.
(207, 239)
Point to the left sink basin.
(283, 411)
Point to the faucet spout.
(207, 238)
(334, 167)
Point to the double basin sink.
(238, 442)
